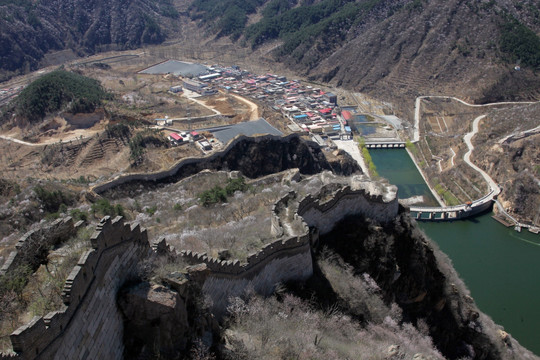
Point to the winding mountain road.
(467, 157)
(416, 134)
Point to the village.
(309, 109)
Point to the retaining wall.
(89, 326)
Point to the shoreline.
(437, 197)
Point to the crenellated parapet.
(35, 244)
(198, 163)
(90, 324)
(254, 261)
(296, 225)
(331, 205)
(89, 321)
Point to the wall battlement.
(296, 224)
(36, 242)
(89, 325)
(183, 163)
(286, 242)
(71, 332)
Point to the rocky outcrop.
(156, 318)
(412, 273)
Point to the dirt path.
(467, 157)
(47, 142)
(253, 108)
(417, 104)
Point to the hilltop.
(56, 91)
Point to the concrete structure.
(385, 144)
(454, 212)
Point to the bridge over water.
(454, 212)
(384, 144)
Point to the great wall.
(90, 324)
(190, 166)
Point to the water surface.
(500, 267)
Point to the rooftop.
(261, 126)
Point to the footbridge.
(384, 144)
(454, 212)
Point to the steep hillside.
(396, 47)
(29, 29)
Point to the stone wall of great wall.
(199, 162)
(36, 243)
(296, 225)
(90, 325)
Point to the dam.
(498, 265)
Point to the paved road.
(351, 147)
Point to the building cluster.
(186, 137)
(309, 108)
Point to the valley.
(204, 180)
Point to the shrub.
(120, 131)
(218, 194)
(177, 207)
(77, 215)
(151, 210)
(52, 200)
(213, 196)
(103, 207)
(15, 280)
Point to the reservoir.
(499, 265)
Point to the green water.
(500, 267)
(397, 166)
